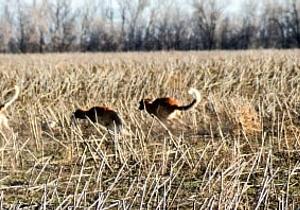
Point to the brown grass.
(239, 149)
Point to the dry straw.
(239, 149)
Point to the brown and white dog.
(3, 107)
(102, 115)
(166, 108)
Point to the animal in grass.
(3, 107)
(167, 108)
(102, 115)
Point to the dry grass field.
(239, 149)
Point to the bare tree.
(87, 16)
(207, 15)
(63, 30)
(225, 34)
(21, 19)
(37, 26)
(294, 20)
(276, 26)
(6, 27)
(131, 12)
(248, 27)
(44, 25)
(150, 38)
(98, 29)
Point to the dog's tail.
(197, 98)
(7, 104)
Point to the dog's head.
(143, 103)
(141, 106)
(78, 114)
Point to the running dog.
(167, 108)
(102, 115)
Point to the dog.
(4, 125)
(167, 108)
(102, 115)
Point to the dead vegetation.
(239, 149)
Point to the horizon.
(124, 25)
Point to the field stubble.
(238, 149)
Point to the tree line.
(39, 26)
